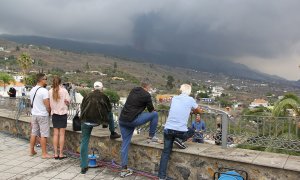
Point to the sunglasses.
(44, 79)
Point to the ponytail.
(55, 86)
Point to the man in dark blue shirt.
(199, 126)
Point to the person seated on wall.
(199, 126)
(12, 92)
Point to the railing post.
(224, 130)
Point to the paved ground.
(15, 163)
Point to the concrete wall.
(143, 156)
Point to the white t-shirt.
(39, 108)
(179, 113)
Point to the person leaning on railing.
(132, 115)
(95, 110)
(176, 130)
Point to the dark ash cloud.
(235, 30)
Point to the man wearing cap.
(95, 110)
(133, 115)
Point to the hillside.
(130, 72)
(203, 64)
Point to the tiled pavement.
(15, 163)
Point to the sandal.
(63, 157)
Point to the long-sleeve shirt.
(137, 101)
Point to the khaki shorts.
(40, 126)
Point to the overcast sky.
(263, 34)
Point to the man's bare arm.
(47, 104)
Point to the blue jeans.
(85, 138)
(169, 137)
(127, 129)
(198, 138)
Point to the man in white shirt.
(176, 130)
(39, 98)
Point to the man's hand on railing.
(198, 110)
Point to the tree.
(258, 111)
(25, 62)
(112, 95)
(170, 81)
(30, 79)
(6, 79)
(202, 95)
(289, 101)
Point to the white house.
(217, 91)
(259, 103)
(18, 78)
(1, 48)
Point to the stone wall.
(145, 157)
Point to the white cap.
(98, 85)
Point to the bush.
(84, 91)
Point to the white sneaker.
(154, 139)
(126, 172)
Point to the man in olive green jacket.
(95, 110)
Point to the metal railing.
(282, 133)
(266, 131)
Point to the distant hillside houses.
(70, 72)
(96, 72)
(259, 103)
(217, 91)
(18, 78)
(118, 78)
(201, 91)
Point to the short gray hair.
(186, 89)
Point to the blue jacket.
(199, 126)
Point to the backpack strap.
(34, 97)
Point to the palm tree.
(25, 62)
(289, 101)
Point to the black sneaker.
(84, 170)
(114, 135)
(104, 125)
(179, 143)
